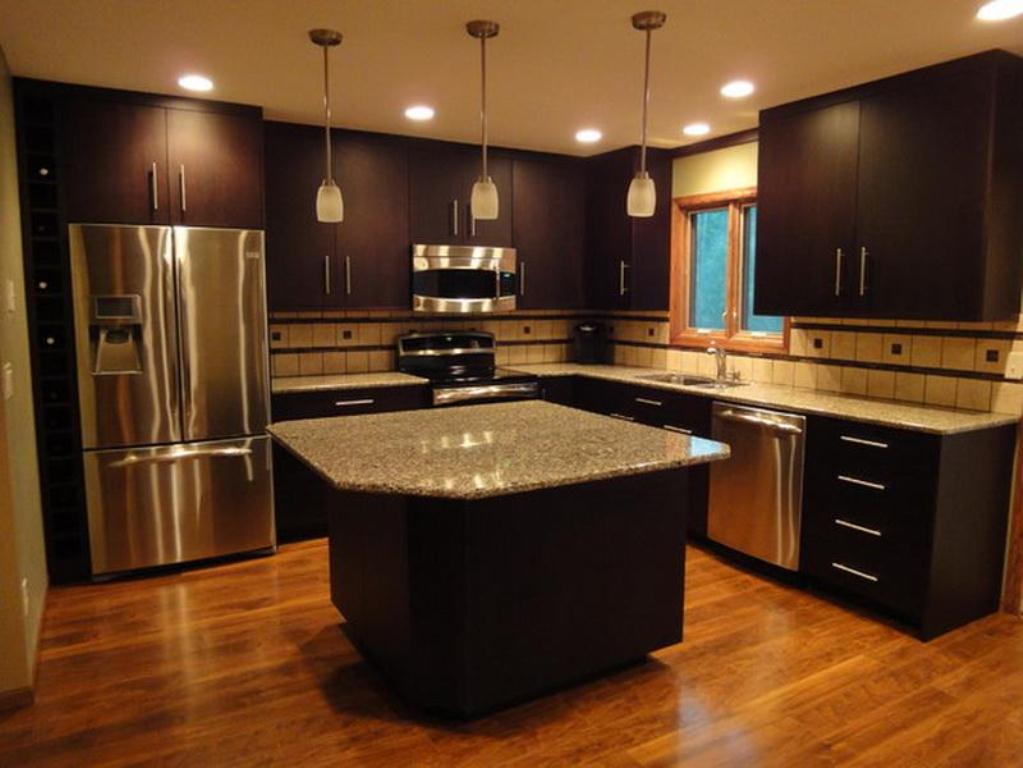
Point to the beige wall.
(22, 553)
(715, 171)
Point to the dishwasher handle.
(760, 421)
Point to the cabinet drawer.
(874, 454)
(663, 408)
(347, 402)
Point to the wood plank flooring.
(245, 664)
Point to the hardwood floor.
(245, 664)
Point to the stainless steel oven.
(462, 279)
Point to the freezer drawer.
(756, 497)
(225, 384)
(175, 503)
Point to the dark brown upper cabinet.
(628, 259)
(139, 159)
(363, 262)
(901, 198)
(441, 176)
(549, 223)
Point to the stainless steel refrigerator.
(170, 333)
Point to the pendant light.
(642, 198)
(484, 204)
(330, 206)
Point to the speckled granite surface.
(342, 381)
(884, 412)
(477, 451)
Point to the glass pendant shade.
(642, 198)
(484, 202)
(330, 207)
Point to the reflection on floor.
(245, 664)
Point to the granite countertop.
(476, 451)
(890, 413)
(342, 381)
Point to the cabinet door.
(373, 245)
(549, 208)
(807, 212)
(651, 239)
(440, 178)
(299, 249)
(608, 231)
(115, 162)
(216, 161)
(922, 189)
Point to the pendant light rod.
(647, 22)
(326, 39)
(482, 30)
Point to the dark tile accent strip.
(892, 329)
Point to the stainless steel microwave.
(463, 279)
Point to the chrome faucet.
(722, 360)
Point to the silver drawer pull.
(647, 401)
(861, 441)
(854, 572)
(622, 416)
(863, 483)
(860, 528)
(680, 430)
(344, 403)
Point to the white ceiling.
(557, 65)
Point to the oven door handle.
(450, 395)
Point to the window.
(714, 243)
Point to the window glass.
(708, 291)
(750, 320)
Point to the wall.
(22, 552)
(718, 170)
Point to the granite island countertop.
(889, 413)
(476, 451)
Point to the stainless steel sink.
(690, 380)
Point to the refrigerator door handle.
(203, 453)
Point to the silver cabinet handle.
(759, 421)
(622, 416)
(326, 274)
(862, 441)
(863, 483)
(838, 271)
(673, 428)
(522, 278)
(348, 275)
(184, 191)
(349, 403)
(647, 401)
(853, 526)
(454, 218)
(863, 270)
(622, 266)
(471, 219)
(154, 187)
(854, 572)
(131, 459)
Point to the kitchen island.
(484, 554)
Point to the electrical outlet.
(24, 595)
(1014, 366)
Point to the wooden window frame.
(732, 338)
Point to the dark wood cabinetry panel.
(298, 247)
(373, 244)
(216, 168)
(651, 239)
(549, 218)
(440, 185)
(115, 162)
(806, 196)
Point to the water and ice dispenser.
(116, 334)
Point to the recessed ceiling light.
(195, 83)
(588, 136)
(419, 112)
(1000, 10)
(696, 129)
(737, 89)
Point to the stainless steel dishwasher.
(756, 496)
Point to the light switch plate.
(10, 301)
(8, 376)
(1014, 366)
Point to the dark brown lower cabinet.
(909, 523)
